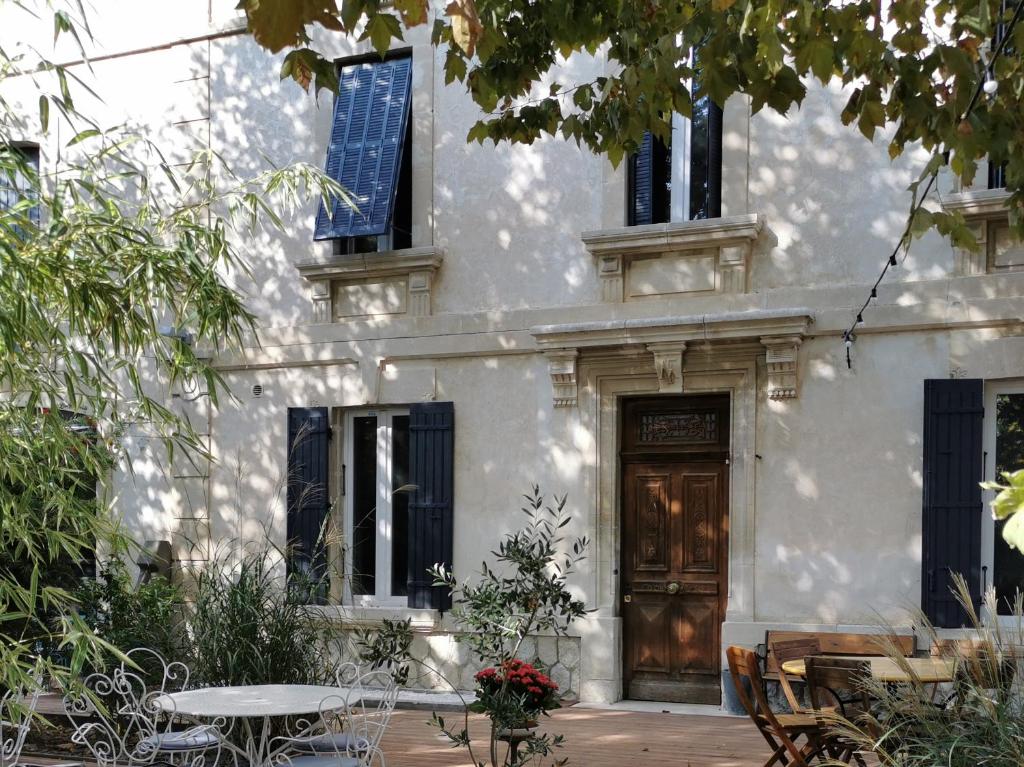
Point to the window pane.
(699, 167)
(399, 505)
(1008, 563)
(364, 505)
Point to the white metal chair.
(350, 727)
(16, 711)
(126, 727)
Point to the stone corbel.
(321, 293)
(419, 293)
(609, 269)
(562, 368)
(668, 364)
(782, 357)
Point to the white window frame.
(988, 528)
(385, 459)
(679, 201)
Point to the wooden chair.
(977, 666)
(785, 650)
(826, 677)
(781, 731)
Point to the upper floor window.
(679, 179)
(370, 156)
(15, 184)
(997, 171)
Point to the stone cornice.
(385, 264)
(983, 203)
(702, 327)
(684, 235)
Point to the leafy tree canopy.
(911, 65)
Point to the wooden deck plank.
(595, 738)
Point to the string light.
(988, 85)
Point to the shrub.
(127, 616)
(978, 720)
(246, 627)
(524, 593)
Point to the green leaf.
(381, 29)
(44, 113)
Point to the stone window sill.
(354, 615)
(663, 260)
(394, 282)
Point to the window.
(1002, 567)
(377, 508)
(14, 184)
(997, 171)
(370, 156)
(679, 179)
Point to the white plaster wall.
(839, 484)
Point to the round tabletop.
(258, 700)
(888, 670)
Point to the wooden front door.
(675, 545)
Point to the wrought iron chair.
(350, 728)
(129, 726)
(16, 711)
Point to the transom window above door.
(377, 491)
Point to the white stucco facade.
(525, 303)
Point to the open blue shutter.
(370, 114)
(431, 470)
(641, 192)
(309, 502)
(952, 505)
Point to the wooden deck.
(595, 738)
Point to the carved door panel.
(673, 567)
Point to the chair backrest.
(842, 643)
(154, 668)
(16, 711)
(785, 650)
(121, 717)
(346, 674)
(370, 702)
(746, 678)
(827, 676)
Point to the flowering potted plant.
(516, 685)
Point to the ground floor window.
(376, 482)
(1003, 567)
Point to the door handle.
(673, 587)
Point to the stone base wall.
(443, 662)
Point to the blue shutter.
(430, 520)
(641, 193)
(309, 502)
(370, 114)
(15, 186)
(952, 505)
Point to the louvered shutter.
(308, 499)
(365, 152)
(952, 505)
(431, 470)
(641, 183)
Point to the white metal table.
(246, 703)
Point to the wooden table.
(928, 670)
